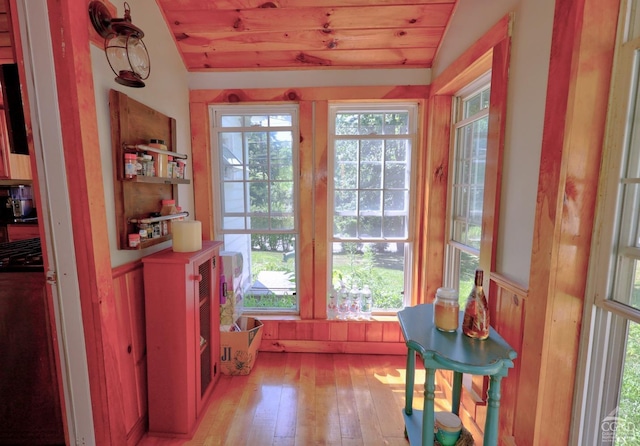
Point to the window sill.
(290, 317)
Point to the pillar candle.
(187, 235)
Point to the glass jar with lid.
(446, 309)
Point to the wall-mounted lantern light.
(126, 53)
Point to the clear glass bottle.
(475, 323)
(332, 305)
(446, 309)
(366, 302)
(354, 303)
(343, 302)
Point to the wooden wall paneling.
(373, 332)
(433, 218)
(583, 42)
(356, 332)
(391, 332)
(421, 201)
(339, 331)
(304, 330)
(322, 331)
(507, 312)
(398, 92)
(305, 278)
(287, 330)
(201, 168)
(320, 221)
(131, 351)
(269, 329)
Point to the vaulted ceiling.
(218, 35)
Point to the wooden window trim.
(490, 52)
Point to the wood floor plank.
(306, 404)
(327, 414)
(288, 409)
(350, 421)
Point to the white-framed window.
(608, 405)
(466, 193)
(254, 160)
(371, 153)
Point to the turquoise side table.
(450, 351)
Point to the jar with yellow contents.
(446, 309)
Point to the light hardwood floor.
(302, 399)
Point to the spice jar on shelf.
(130, 162)
(160, 160)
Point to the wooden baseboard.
(370, 348)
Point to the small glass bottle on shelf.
(130, 161)
(332, 305)
(343, 302)
(354, 303)
(475, 323)
(366, 302)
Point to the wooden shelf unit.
(134, 123)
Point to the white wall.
(166, 91)
(528, 72)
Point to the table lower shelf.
(413, 426)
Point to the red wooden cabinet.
(183, 336)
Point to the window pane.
(345, 227)
(370, 227)
(345, 201)
(395, 201)
(371, 175)
(395, 227)
(396, 176)
(370, 201)
(346, 175)
(396, 123)
(627, 420)
(347, 124)
(233, 199)
(371, 124)
(269, 270)
(378, 265)
(468, 265)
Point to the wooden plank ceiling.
(241, 35)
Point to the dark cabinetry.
(30, 411)
(182, 329)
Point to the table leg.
(428, 411)
(493, 410)
(457, 389)
(408, 389)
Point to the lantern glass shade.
(128, 57)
